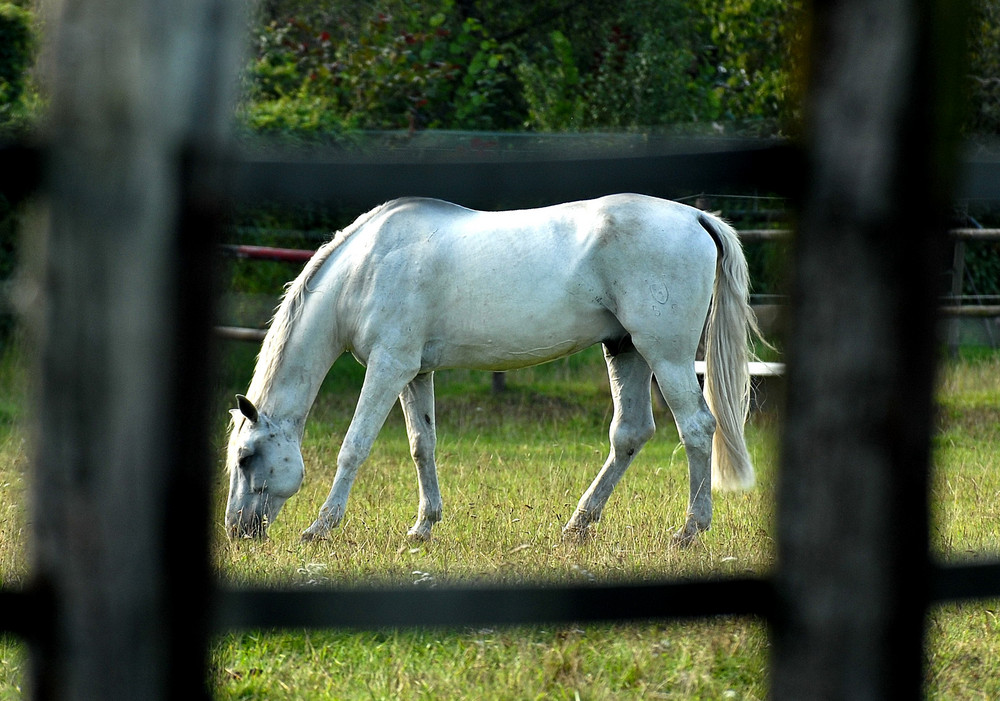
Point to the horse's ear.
(247, 409)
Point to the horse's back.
(514, 288)
(550, 238)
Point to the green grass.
(512, 468)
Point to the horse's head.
(265, 469)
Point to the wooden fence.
(122, 602)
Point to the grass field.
(512, 468)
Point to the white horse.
(418, 285)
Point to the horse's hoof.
(418, 535)
(315, 532)
(686, 537)
(577, 535)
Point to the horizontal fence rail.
(22, 611)
(286, 255)
(961, 582)
(373, 178)
(456, 606)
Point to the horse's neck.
(285, 384)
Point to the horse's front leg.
(384, 380)
(417, 401)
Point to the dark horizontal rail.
(20, 170)
(366, 180)
(489, 606)
(965, 581)
(25, 612)
(369, 180)
(28, 612)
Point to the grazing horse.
(417, 285)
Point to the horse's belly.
(497, 341)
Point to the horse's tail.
(731, 322)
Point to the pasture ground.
(512, 468)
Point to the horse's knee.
(698, 429)
(629, 436)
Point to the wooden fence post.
(853, 540)
(121, 486)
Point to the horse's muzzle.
(247, 522)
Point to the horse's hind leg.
(417, 401)
(696, 427)
(631, 426)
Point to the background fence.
(137, 184)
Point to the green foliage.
(982, 268)
(666, 63)
(323, 69)
(413, 69)
(552, 88)
(17, 43)
(492, 65)
(18, 104)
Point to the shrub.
(17, 44)
(658, 63)
(413, 70)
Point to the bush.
(657, 63)
(17, 43)
(412, 70)
(488, 65)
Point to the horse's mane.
(288, 310)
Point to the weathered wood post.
(140, 92)
(853, 540)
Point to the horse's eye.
(243, 461)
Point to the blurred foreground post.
(853, 524)
(140, 97)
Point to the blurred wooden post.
(141, 93)
(853, 523)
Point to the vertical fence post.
(853, 541)
(121, 486)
